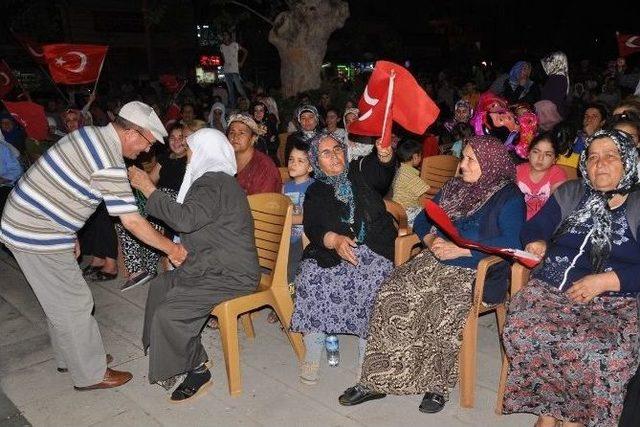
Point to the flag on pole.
(32, 47)
(74, 63)
(7, 79)
(31, 117)
(393, 95)
(628, 44)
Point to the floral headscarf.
(556, 63)
(308, 134)
(596, 209)
(461, 199)
(342, 189)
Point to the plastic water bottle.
(333, 350)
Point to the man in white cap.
(46, 208)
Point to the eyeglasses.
(331, 152)
(145, 138)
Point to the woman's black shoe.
(358, 394)
(432, 403)
(196, 383)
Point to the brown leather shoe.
(112, 379)
(65, 370)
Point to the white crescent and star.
(80, 68)
(6, 78)
(631, 42)
(369, 100)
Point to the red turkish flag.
(7, 80)
(34, 48)
(393, 95)
(628, 44)
(31, 117)
(74, 64)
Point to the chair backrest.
(436, 170)
(399, 215)
(284, 174)
(572, 173)
(282, 143)
(272, 214)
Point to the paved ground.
(272, 394)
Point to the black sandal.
(431, 403)
(196, 383)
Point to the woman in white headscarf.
(214, 221)
(217, 117)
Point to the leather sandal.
(195, 384)
(358, 394)
(431, 403)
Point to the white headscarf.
(211, 151)
(223, 118)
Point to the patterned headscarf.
(596, 207)
(556, 63)
(461, 199)
(342, 189)
(308, 134)
(514, 77)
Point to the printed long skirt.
(338, 300)
(415, 331)
(570, 361)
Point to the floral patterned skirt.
(567, 360)
(338, 300)
(416, 328)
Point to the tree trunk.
(301, 35)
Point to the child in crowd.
(459, 132)
(540, 176)
(408, 188)
(300, 172)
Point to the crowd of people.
(547, 164)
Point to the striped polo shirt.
(57, 195)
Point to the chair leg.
(228, 327)
(501, 313)
(247, 324)
(467, 361)
(282, 304)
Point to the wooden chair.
(409, 245)
(436, 170)
(282, 142)
(284, 174)
(572, 173)
(399, 217)
(272, 221)
(519, 278)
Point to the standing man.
(46, 208)
(230, 50)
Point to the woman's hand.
(592, 285)
(140, 181)
(445, 250)
(177, 254)
(538, 248)
(342, 245)
(384, 154)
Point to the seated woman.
(571, 333)
(256, 171)
(352, 241)
(215, 224)
(415, 328)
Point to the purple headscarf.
(461, 199)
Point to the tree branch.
(255, 12)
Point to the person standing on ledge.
(46, 208)
(232, 65)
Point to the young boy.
(408, 188)
(300, 171)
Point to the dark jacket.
(323, 212)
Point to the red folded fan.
(442, 220)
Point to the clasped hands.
(445, 250)
(177, 254)
(588, 287)
(140, 181)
